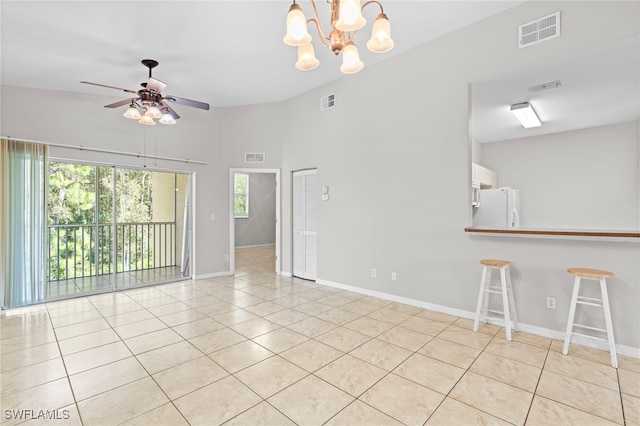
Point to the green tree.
(75, 231)
(71, 193)
(240, 194)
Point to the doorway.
(254, 211)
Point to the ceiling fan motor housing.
(148, 97)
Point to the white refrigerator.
(499, 208)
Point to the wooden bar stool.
(505, 289)
(593, 275)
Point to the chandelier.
(346, 20)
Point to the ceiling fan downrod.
(151, 64)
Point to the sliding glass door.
(113, 227)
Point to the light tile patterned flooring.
(260, 349)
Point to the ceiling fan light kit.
(167, 119)
(151, 101)
(346, 20)
(147, 121)
(153, 112)
(132, 112)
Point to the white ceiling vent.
(328, 101)
(545, 86)
(540, 30)
(254, 157)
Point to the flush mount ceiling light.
(526, 115)
(346, 20)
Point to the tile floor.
(260, 349)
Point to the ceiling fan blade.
(187, 102)
(119, 103)
(164, 107)
(155, 85)
(109, 87)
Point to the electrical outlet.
(374, 273)
(226, 257)
(551, 302)
(394, 276)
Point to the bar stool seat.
(504, 289)
(576, 299)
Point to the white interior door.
(304, 224)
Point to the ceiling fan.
(151, 99)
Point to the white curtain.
(186, 232)
(23, 222)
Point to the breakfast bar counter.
(580, 234)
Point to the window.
(94, 210)
(241, 195)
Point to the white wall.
(252, 128)
(582, 179)
(394, 152)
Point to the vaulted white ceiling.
(230, 53)
(225, 53)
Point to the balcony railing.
(77, 251)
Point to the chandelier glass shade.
(346, 20)
(380, 41)
(297, 33)
(306, 58)
(351, 62)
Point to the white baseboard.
(539, 331)
(212, 275)
(228, 273)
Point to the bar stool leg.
(485, 299)
(483, 281)
(513, 303)
(607, 319)
(505, 302)
(572, 313)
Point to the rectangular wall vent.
(254, 157)
(540, 30)
(327, 102)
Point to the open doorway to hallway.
(254, 215)
(255, 262)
